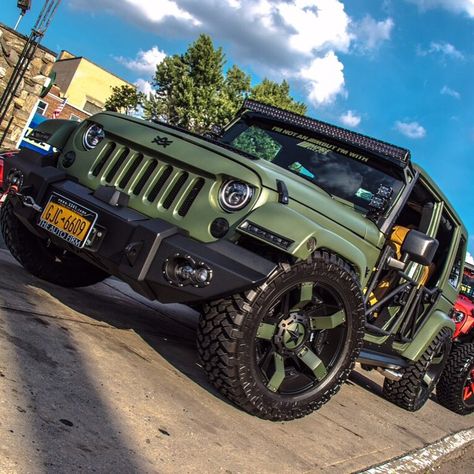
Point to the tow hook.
(28, 201)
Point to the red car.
(455, 388)
(4, 154)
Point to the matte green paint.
(60, 131)
(266, 331)
(310, 214)
(313, 362)
(437, 321)
(328, 322)
(279, 375)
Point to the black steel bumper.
(136, 249)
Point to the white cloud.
(410, 129)
(145, 61)
(350, 119)
(370, 33)
(294, 39)
(324, 79)
(442, 48)
(451, 92)
(455, 6)
(469, 258)
(144, 86)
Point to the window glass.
(257, 142)
(92, 108)
(342, 172)
(455, 275)
(444, 236)
(75, 118)
(41, 108)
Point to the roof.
(83, 58)
(24, 37)
(395, 154)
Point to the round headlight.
(458, 316)
(235, 195)
(93, 136)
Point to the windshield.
(341, 172)
(467, 287)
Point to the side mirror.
(419, 247)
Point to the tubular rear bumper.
(135, 248)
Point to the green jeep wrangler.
(305, 246)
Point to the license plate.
(67, 220)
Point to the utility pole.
(26, 56)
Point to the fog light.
(182, 270)
(202, 275)
(219, 227)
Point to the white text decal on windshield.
(319, 146)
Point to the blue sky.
(399, 70)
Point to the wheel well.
(354, 268)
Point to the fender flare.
(433, 325)
(300, 229)
(56, 132)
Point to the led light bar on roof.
(398, 155)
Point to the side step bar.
(377, 359)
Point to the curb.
(424, 458)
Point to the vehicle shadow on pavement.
(358, 379)
(61, 417)
(169, 330)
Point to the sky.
(398, 70)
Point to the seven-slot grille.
(143, 177)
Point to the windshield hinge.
(283, 196)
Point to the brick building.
(26, 99)
(56, 101)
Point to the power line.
(25, 58)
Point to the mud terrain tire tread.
(222, 340)
(31, 252)
(405, 392)
(451, 384)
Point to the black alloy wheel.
(282, 350)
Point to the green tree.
(272, 93)
(124, 99)
(193, 92)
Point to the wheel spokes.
(277, 378)
(306, 296)
(313, 362)
(266, 331)
(328, 322)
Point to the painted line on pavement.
(424, 458)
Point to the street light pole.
(26, 56)
(24, 6)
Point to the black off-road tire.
(411, 392)
(452, 383)
(44, 260)
(228, 328)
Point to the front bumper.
(137, 249)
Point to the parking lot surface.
(100, 380)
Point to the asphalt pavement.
(98, 379)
